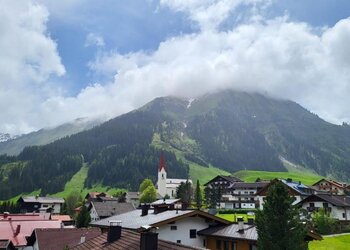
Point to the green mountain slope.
(226, 131)
(45, 136)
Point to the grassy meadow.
(341, 242)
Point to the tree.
(198, 196)
(145, 184)
(323, 223)
(83, 218)
(72, 201)
(149, 194)
(184, 192)
(212, 196)
(278, 224)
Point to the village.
(167, 219)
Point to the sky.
(62, 60)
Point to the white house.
(180, 226)
(167, 186)
(30, 204)
(338, 206)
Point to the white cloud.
(94, 39)
(28, 58)
(282, 58)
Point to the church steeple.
(161, 162)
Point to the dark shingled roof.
(229, 178)
(128, 240)
(231, 231)
(336, 200)
(109, 208)
(59, 238)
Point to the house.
(66, 220)
(331, 186)
(166, 186)
(180, 226)
(101, 210)
(40, 204)
(42, 239)
(338, 206)
(236, 194)
(296, 189)
(93, 196)
(238, 236)
(120, 238)
(6, 245)
(18, 231)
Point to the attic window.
(193, 233)
(173, 227)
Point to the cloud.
(94, 39)
(28, 58)
(285, 59)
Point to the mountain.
(229, 130)
(14, 145)
(6, 137)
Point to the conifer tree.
(83, 218)
(198, 196)
(278, 224)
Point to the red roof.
(25, 217)
(63, 237)
(162, 162)
(61, 217)
(8, 229)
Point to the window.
(204, 243)
(173, 227)
(178, 241)
(252, 247)
(226, 245)
(325, 204)
(45, 205)
(193, 233)
(234, 246)
(312, 204)
(218, 244)
(343, 215)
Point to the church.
(167, 186)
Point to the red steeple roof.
(161, 161)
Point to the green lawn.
(233, 217)
(204, 174)
(331, 243)
(306, 178)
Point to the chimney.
(115, 231)
(149, 238)
(82, 239)
(144, 209)
(6, 214)
(240, 225)
(18, 230)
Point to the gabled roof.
(36, 199)
(336, 200)
(63, 237)
(129, 240)
(7, 229)
(134, 220)
(109, 208)
(232, 232)
(229, 178)
(333, 182)
(295, 187)
(26, 217)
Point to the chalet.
(236, 194)
(332, 187)
(180, 226)
(166, 186)
(238, 236)
(296, 189)
(100, 210)
(120, 238)
(338, 206)
(64, 238)
(93, 196)
(30, 204)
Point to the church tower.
(162, 176)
